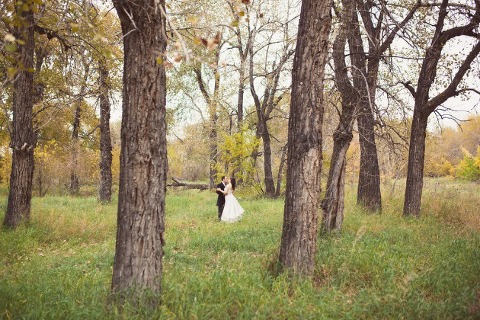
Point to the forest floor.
(378, 267)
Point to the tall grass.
(378, 267)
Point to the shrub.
(469, 167)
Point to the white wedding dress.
(232, 211)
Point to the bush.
(443, 168)
(469, 167)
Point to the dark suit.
(220, 199)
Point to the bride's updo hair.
(233, 182)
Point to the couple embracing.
(229, 210)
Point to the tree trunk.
(23, 137)
(42, 190)
(264, 109)
(212, 103)
(105, 190)
(74, 180)
(368, 194)
(300, 223)
(425, 105)
(137, 266)
(241, 90)
(416, 160)
(212, 137)
(333, 203)
(267, 163)
(280, 171)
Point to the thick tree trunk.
(137, 267)
(368, 193)
(300, 223)
(105, 190)
(416, 160)
(23, 137)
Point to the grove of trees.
(294, 98)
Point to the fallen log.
(178, 183)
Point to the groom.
(221, 196)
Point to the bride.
(232, 211)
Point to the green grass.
(379, 266)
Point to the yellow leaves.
(193, 20)
(99, 37)
(160, 61)
(11, 72)
(477, 158)
(10, 7)
(240, 12)
(75, 27)
(197, 41)
(35, 9)
(25, 7)
(469, 168)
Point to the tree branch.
(450, 91)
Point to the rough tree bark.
(368, 193)
(424, 105)
(105, 190)
(304, 161)
(23, 137)
(137, 267)
(416, 160)
(333, 203)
